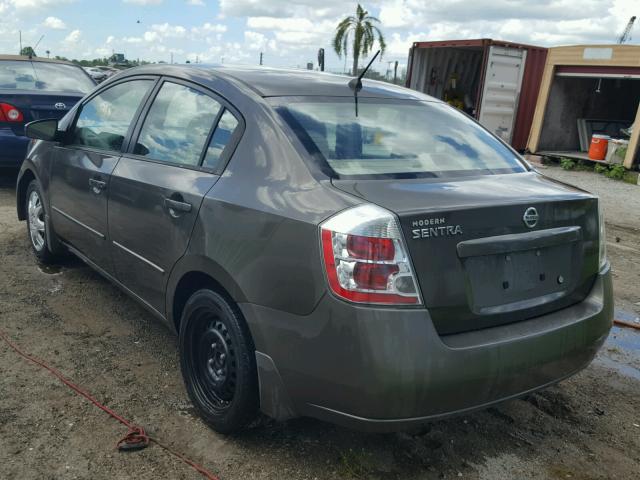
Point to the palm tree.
(361, 29)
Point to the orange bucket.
(598, 147)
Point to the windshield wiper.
(355, 84)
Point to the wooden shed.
(587, 89)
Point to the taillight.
(365, 257)
(602, 234)
(9, 113)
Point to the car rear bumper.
(13, 148)
(381, 369)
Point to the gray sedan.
(362, 254)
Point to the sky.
(289, 32)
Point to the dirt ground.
(587, 427)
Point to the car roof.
(275, 82)
(25, 58)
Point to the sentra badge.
(434, 227)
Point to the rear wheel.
(37, 225)
(217, 358)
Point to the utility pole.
(20, 33)
(171, 58)
(260, 58)
(395, 72)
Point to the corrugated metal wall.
(427, 55)
(466, 62)
(536, 58)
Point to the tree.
(27, 52)
(363, 34)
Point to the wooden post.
(541, 103)
(633, 141)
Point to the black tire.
(37, 226)
(217, 358)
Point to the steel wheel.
(214, 360)
(35, 213)
(217, 358)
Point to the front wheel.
(217, 358)
(37, 225)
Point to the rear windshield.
(43, 76)
(395, 139)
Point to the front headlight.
(603, 236)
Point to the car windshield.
(395, 139)
(43, 76)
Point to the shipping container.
(496, 82)
(587, 90)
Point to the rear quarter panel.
(258, 226)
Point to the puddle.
(621, 368)
(626, 316)
(621, 351)
(625, 339)
(50, 269)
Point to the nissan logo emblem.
(60, 106)
(530, 217)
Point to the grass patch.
(355, 464)
(567, 163)
(577, 165)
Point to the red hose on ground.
(622, 323)
(135, 439)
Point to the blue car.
(34, 89)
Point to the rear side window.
(177, 126)
(105, 119)
(396, 139)
(43, 76)
(220, 139)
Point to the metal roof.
(475, 42)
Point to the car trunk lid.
(477, 261)
(36, 105)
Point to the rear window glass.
(405, 140)
(43, 76)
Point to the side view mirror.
(46, 129)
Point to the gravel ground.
(622, 212)
(621, 200)
(587, 427)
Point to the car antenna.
(355, 84)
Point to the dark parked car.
(32, 89)
(376, 268)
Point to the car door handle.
(176, 207)
(97, 186)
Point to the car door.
(157, 187)
(83, 164)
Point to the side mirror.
(42, 130)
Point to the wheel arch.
(195, 272)
(27, 175)
(192, 273)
